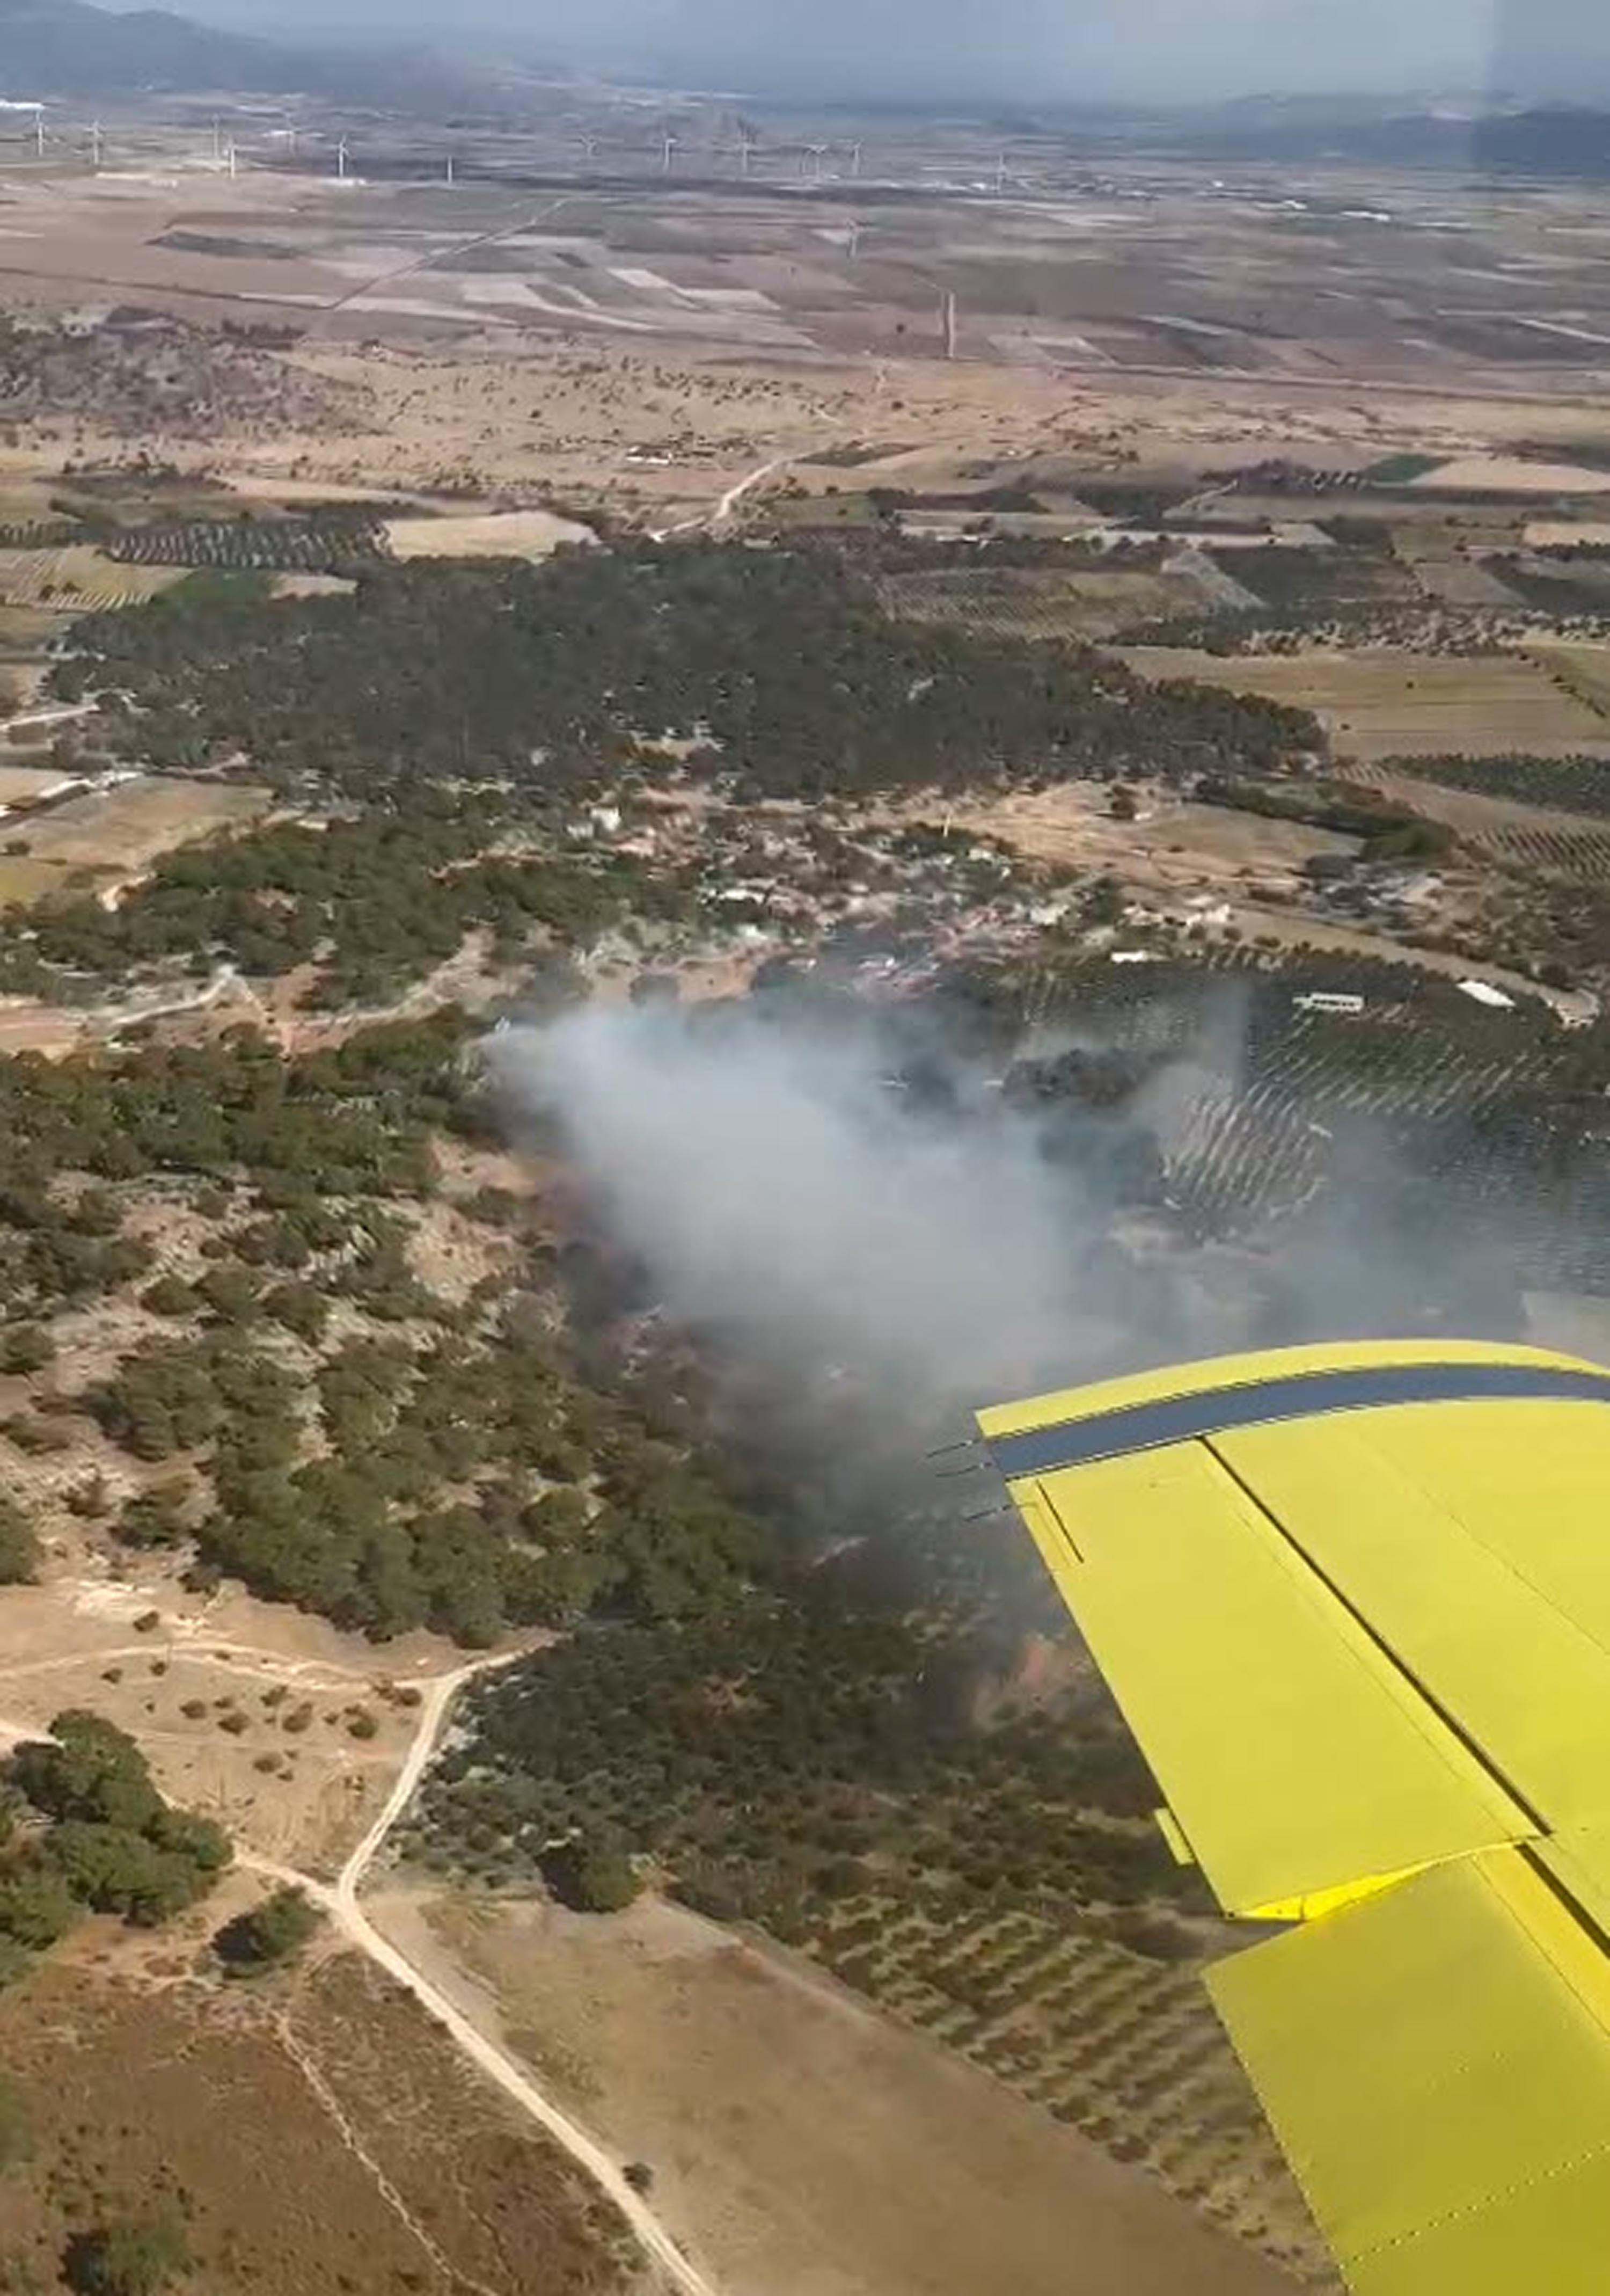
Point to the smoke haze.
(775, 1184)
(1029, 51)
(827, 1190)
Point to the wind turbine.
(229, 154)
(450, 176)
(745, 146)
(818, 152)
(340, 160)
(1000, 174)
(95, 145)
(39, 129)
(589, 148)
(852, 241)
(669, 149)
(854, 158)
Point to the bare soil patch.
(127, 826)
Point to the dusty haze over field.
(1033, 50)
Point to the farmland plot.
(77, 577)
(1379, 702)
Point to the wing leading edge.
(1356, 1605)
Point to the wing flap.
(1297, 1759)
(1436, 2064)
(1453, 1573)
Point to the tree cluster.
(84, 1828)
(781, 658)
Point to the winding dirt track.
(341, 1903)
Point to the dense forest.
(781, 659)
(374, 901)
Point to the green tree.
(37, 1906)
(87, 1769)
(18, 1548)
(16, 2130)
(594, 1875)
(267, 1934)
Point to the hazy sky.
(1032, 49)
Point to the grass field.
(1383, 703)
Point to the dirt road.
(342, 1905)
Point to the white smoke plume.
(777, 1183)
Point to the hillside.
(58, 47)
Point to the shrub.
(268, 1934)
(593, 1876)
(126, 2260)
(26, 1348)
(19, 1548)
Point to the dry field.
(801, 2144)
(1025, 604)
(1508, 474)
(505, 534)
(1174, 847)
(1581, 669)
(312, 2133)
(651, 347)
(25, 784)
(1548, 533)
(1382, 703)
(124, 828)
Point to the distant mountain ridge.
(56, 46)
(70, 47)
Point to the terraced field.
(77, 578)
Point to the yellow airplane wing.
(1356, 1603)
